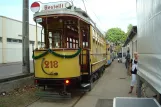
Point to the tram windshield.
(63, 32)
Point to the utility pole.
(25, 38)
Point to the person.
(127, 59)
(133, 73)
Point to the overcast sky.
(106, 13)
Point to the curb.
(14, 77)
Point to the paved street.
(12, 69)
(114, 83)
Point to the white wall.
(14, 52)
(0, 26)
(0, 41)
(0, 52)
(13, 29)
(133, 46)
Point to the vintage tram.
(73, 53)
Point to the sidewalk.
(12, 63)
(114, 83)
(12, 69)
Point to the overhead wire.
(84, 6)
(94, 14)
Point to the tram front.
(56, 63)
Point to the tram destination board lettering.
(54, 6)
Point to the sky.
(105, 13)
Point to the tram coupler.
(64, 92)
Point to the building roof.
(132, 33)
(18, 20)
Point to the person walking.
(133, 73)
(128, 61)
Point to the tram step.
(53, 95)
(84, 85)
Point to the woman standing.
(134, 68)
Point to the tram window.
(67, 44)
(56, 37)
(73, 43)
(70, 45)
(50, 34)
(50, 45)
(50, 42)
(86, 44)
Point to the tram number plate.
(51, 64)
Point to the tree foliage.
(129, 28)
(116, 35)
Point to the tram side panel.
(98, 57)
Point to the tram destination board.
(135, 102)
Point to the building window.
(14, 40)
(20, 35)
(32, 42)
(9, 40)
(18, 41)
(0, 39)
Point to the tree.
(116, 35)
(129, 28)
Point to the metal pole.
(36, 37)
(25, 38)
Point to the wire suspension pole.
(25, 38)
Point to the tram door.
(85, 54)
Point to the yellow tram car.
(109, 54)
(74, 52)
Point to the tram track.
(74, 103)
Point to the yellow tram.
(74, 52)
(109, 54)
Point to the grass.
(19, 97)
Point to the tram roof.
(73, 11)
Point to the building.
(131, 42)
(11, 39)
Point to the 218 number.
(51, 64)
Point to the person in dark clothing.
(127, 59)
(133, 73)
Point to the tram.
(74, 51)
